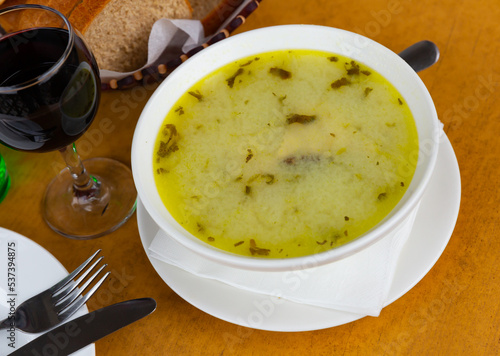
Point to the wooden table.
(463, 321)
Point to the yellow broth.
(285, 154)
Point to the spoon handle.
(420, 55)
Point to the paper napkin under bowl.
(358, 284)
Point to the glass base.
(96, 213)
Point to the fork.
(56, 304)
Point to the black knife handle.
(80, 332)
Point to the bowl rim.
(355, 43)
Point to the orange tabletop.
(453, 310)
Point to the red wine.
(46, 101)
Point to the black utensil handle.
(420, 55)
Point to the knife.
(80, 332)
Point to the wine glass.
(49, 95)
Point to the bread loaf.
(118, 35)
(117, 31)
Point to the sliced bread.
(119, 34)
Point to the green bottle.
(4, 179)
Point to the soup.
(285, 154)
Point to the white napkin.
(357, 284)
(162, 33)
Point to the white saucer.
(36, 270)
(432, 230)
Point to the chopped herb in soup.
(286, 154)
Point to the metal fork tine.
(91, 292)
(72, 308)
(72, 275)
(70, 298)
(66, 290)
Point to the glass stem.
(84, 185)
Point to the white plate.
(36, 270)
(432, 230)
